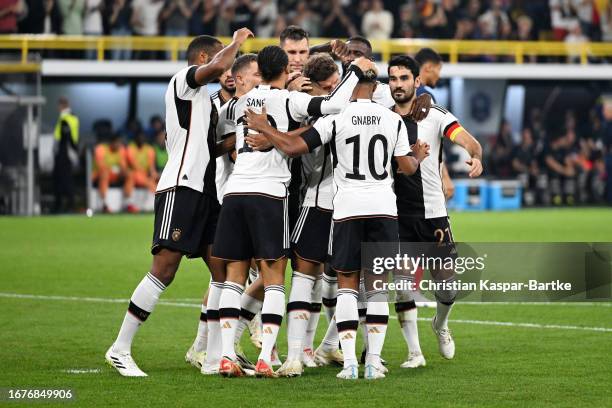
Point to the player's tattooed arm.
(289, 143)
(474, 149)
(409, 164)
(420, 107)
(337, 48)
(226, 145)
(223, 60)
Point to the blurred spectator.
(525, 166)
(500, 161)
(141, 161)
(494, 22)
(209, 15)
(377, 22)
(307, 19)
(72, 12)
(161, 154)
(562, 18)
(336, 23)
(92, 23)
(561, 171)
(242, 12)
(433, 19)
(174, 18)
(408, 20)
(132, 128)
(42, 18)
(606, 23)
(119, 17)
(111, 169)
(66, 137)
(573, 38)
(156, 125)
(222, 20)
(145, 16)
(266, 18)
(10, 12)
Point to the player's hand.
(420, 150)
(258, 141)
(420, 107)
(257, 121)
(241, 35)
(299, 83)
(475, 167)
(365, 64)
(339, 49)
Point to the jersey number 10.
(356, 174)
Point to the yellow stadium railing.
(518, 50)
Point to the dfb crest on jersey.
(176, 234)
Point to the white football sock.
(329, 289)
(406, 311)
(214, 347)
(298, 313)
(143, 301)
(347, 319)
(330, 341)
(229, 313)
(201, 340)
(249, 307)
(377, 318)
(272, 314)
(315, 313)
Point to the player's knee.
(446, 297)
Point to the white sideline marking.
(193, 305)
(82, 371)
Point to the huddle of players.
(345, 136)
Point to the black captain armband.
(312, 139)
(191, 79)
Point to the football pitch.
(65, 282)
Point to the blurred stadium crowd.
(560, 20)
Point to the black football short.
(311, 235)
(428, 231)
(348, 236)
(185, 221)
(434, 230)
(252, 226)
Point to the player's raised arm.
(223, 60)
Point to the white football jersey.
(268, 172)
(421, 195)
(225, 127)
(189, 141)
(382, 95)
(363, 138)
(317, 166)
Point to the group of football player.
(298, 158)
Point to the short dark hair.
(294, 33)
(201, 43)
(319, 67)
(242, 62)
(272, 61)
(361, 39)
(369, 77)
(428, 55)
(405, 61)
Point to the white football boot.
(195, 358)
(414, 360)
(446, 344)
(349, 373)
(124, 363)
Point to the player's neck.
(276, 83)
(362, 92)
(225, 95)
(403, 108)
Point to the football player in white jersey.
(253, 221)
(422, 214)
(363, 138)
(197, 352)
(185, 203)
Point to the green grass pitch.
(104, 257)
